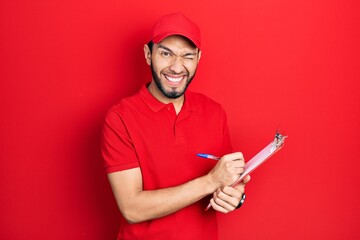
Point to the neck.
(177, 102)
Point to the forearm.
(138, 205)
(143, 205)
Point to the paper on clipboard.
(260, 158)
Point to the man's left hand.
(226, 199)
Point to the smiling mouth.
(173, 79)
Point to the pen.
(205, 155)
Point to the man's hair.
(150, 45)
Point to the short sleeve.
(117, 149)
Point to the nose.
(177, 65)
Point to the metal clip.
(279, 139)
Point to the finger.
(236, 156)
(240, 188)
(246, 179)
(217, 207)
(239, 170)
(222, 205)
(233, 192)
(243, 182)
(226, 201)
(238, 164)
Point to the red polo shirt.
(142, 132)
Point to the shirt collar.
(155, 105)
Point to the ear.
(147, 54)
(199, 56)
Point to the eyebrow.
(168, 49)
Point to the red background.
(293, 64)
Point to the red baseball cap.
(175, 24)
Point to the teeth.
(174, 79)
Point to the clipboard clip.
(279, 140)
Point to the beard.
(173, 94)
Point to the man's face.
(173, 64)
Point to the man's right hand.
(227, 170)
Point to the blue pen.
(205, 155)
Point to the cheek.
(159, 66)
(191, 68)
(155, 67)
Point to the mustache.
(170, 72)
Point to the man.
(151, 139)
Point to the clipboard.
(260, 158)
